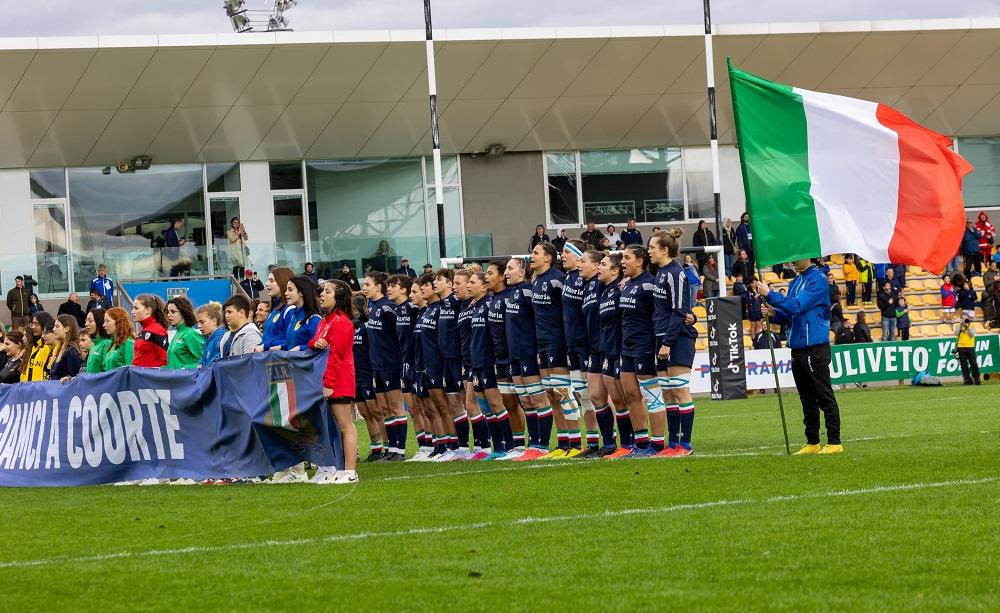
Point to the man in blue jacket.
(806, 307)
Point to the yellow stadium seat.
(916, 315)
(915, 270)
(977, 283)
(747, 343)
(916, 285)
(929, 331)
(838, 273)
(837, 258)
(700, 313)
(915, 300)
(700, 327)
(945, 330)
(770, 277)
(915, 332)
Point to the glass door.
(51, 251)
(290, 231)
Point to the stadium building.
(319, 141)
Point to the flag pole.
(712, 127)
(774, 369)
(435, 136)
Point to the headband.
(573, 249)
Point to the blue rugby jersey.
(671, 304)
(636, 303)
(574, 327)
(406, 322)
(480, 334)
(275, 327)
(611, 318)
(449, 344)
(520, 324)
(383, 345)
(463, 324)
(546, 300)
(427, 326)
(362, 361)
(301, 329)
(498, 327)
(591, 310)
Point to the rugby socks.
(625, 431)
(375, 447)
(606, 424)
(686, 423)
(575, 439)
(494, 427)
(562, 439)
(462, 430)
(673, 425)
(518, 437)
(505, 434)
(531, 420)
(593, 439)
(402, 431)
(544, 427)
(480, 432)
(440, 444)
(642, 439)
(656, 442)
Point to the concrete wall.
(504, 196)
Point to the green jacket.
(95, 359)
(186, 349)
(116, 357)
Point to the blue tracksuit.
(275, 327)
(636, 303)
(301, 328)
(546, 299)
(213, 350)
(806, 308)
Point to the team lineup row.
(509, 351)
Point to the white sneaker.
(126, 483)
(345, 477)
(325, 476)
(513, 453)
(151, 481)
(183, 482)
(289, 476)
(462, 455)
(447, 456)
(422, 455)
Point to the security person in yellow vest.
(966, 334)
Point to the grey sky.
(89, 17)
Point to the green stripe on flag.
(774, 157)
(275, 403)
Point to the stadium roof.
(181, 98)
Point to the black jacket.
(845, 336)
(535, 239)
(742, 267)
(19, 301)
(862, 334)
(11, 371)
(729, 240)
(593, 239)
(886, 304)
(74, 309)
(704, 238)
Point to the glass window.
(223, 177)
(563, 205)
(641, 183)
(50, 248)
(123, 220)
(698, 170)
(289, 232)
(286, 175)
(229, 257)
(368, 213)
(48, 183)
(981, 188)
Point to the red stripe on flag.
(293, 417)
(931, 215)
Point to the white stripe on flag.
(854, 170)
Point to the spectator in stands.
(833, 288)
(970, 248)
(210, 325)
(605, 245)
(72, 307)
(309, 272)
(121, 349)
(989, 232)
(19, 304)
(104, 287)
(996, 255)
(703, 237)
(631, 234)
(948, 297)
(991, 305)
(755, 313)
(845, 335)
(744, 239)
(404, 269)
(237, 237)
(903, 318)
(384, 250)
(862, 333)
(538, 237)
(427, 268)
(260, 310)
(728, 244)
(99, 340)
(694, 279)
(96, 301)
(251, 284)
(965, 300)
(613, 237)
(173, 243)
(966, 349)
(851, 277)
(740, 289)
(68, 360)
(151, 342)
(592, 236)
(348, 277)
(899, 273)
(742, 265)
(710, 288)
(990, 275)
(787, 271)
(886, 300)
(893, 280)
(865, 276)
(188, 345)
(559, 242)
(837, 319)
(15, 347)
(764, 336)
(242, 335)
(34, 305)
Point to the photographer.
(966, 350)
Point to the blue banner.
(246, 416)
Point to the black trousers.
(811, 370)
(970, 368)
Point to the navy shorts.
(503, 372)
(645, 365)
(682, 352)
(484, 379)
(578, 360)
(387, 380)
(420, 385)
(661, 365)
(362, 395)
(552, 359)
(595, 363)
(434, 377)
(467, 374)
(408, 386)
(524, 368)
(453, 381)
(612, 366)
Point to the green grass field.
(908, 518)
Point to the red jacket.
(338, 330)
(151, 345)
(984, 225)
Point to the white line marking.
(340, 538)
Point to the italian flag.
(828, 174)
(281, 398)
